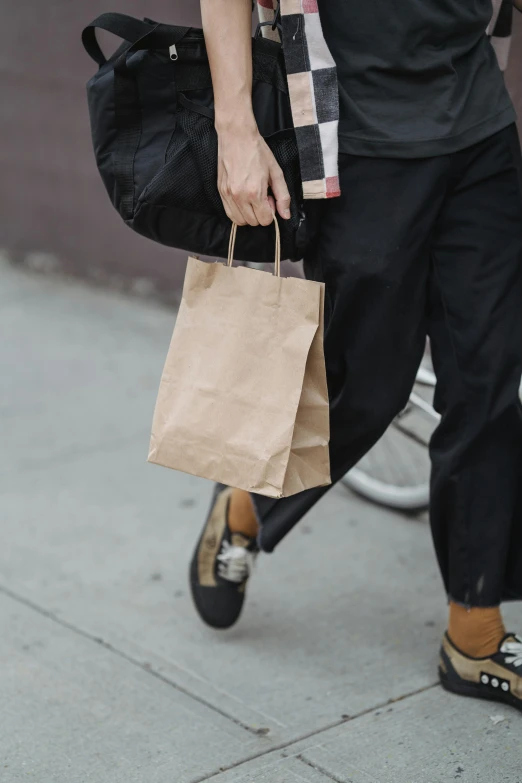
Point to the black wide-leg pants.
(418, 247)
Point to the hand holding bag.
(243, 397)
(151, 107)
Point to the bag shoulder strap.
(140, 34)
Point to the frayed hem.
(469, 606)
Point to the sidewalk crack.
(313, 734)
(125, 656)
(319, 769)
(150, 671)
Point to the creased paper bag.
(243, 397)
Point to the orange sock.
(476, 631)
(241, 514)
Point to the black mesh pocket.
(189, 177)
(188, 182)
(204, 145)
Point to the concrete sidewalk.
(106, 673)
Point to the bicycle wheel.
(395, 473)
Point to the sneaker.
(498, 678)
(221, 566)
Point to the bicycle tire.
(414, 498)
(395, 473)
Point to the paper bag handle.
(232, 243)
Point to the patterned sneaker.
(498, 678)
(221, 566)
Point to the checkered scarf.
(500, 29)
(312, 84)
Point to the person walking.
(417, 232)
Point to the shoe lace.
(513, 651)
(235, 563)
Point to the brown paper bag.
(243, 397)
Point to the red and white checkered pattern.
(313, 92)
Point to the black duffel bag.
(152, 121)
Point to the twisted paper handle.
(232, 244)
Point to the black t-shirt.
(416, 77)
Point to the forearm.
(247, 169)
(227, 28)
